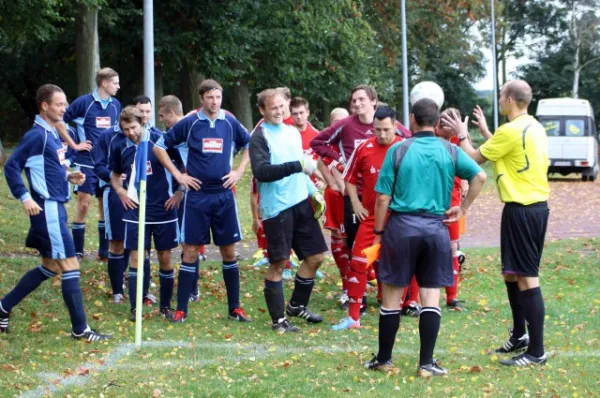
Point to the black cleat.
(304, 313)
(284, 326)
(4, 321)
(524, 360)
(413, 310)
(514, 345)
(167, 313)
(375, 364)
(431, 370)
(456, 305)
(91, 335)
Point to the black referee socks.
(534, 311)
(274, 298)
(429, 327)
(512, 290)
(389, 322)
(302, 289)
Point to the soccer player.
(92, 113)
(112, 139)
(287, 200)
(519, 152)
(363, 167)
(415, 183)
(42, 156)
(209, 207)
(300, 112)
(161, 208)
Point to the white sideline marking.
(55, 382)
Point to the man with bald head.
(519, 151)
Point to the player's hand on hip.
(232, 178)
(174, 201)
(256, 225)
(454, 214)
(31, 208)
(309, 165)
(84, 146)
(76, 177)
(318, 203)
(189, 182)
(128, 204)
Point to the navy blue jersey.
(101, 152)
(91, 117)
(159, 182)
(207, 146)
(42, 155)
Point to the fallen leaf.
(81, 371)
(98, 303)
(227, 336)
(10, 368)
(156, 393)
(262, 310)
(475, 369)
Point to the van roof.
(564, 107)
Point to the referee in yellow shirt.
(519, 150)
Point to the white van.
(572, 137)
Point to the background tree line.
(320, 49)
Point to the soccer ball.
(429, 90)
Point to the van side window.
(552, 127)
(575, 128)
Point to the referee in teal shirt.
(415, 187)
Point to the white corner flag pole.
(494, 69)
(405, 93)
(140, 265)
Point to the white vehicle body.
(572, 137)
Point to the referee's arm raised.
(459, 128)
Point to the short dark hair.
(371, 93)
(297, 102)
(130, 114)
(207, 85)
(45, 94)
(426, 112)
(142, 99)
(383, 112)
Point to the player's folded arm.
(260, 161)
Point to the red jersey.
(364, 166)
(456, 195)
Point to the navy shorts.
(165, 236)
(416, 244)
(91, 184)
(522, 235)
(294, 228)
(49, 232)
(113, 215)
(206, 213)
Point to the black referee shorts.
(522, 235)
(294, 228)
(351, 222)
(419, 245)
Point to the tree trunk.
(576, 70)
(241, 104)
(503, 52)
(326, 109)
(158, 91)
(195, 78)
(87, 48)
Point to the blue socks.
(186, 284)
(74, 300)
(231, 276)
(102, 241)
(79, 237)
(116, 264)
(167, 280)
(28, 283)
(147, 275)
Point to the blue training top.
(43, 156)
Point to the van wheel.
(584, 178)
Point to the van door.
(553, 127)
(577, 139)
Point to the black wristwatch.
(376, 232)
(463, 137)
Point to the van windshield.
(552, 127)
(575, 128)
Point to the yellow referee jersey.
(519, 150)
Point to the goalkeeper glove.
(309, 165)
(317, 202)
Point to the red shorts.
(364, 239)
(334, 211)
(454, 228)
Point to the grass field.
(211, 356)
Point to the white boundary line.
(54, 382)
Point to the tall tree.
(87, 47)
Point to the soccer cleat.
(284, 326)
(261, 262)
(179, 317)
(319, 275)
(287, 274)
(413, 310)
(514, 345)
(238, 256)
(524, 360)
(102, 259)
(202, 257)
(304, 313)
(347, 323)
(4, 321)
(239, 315)
(132, 316)
(152, 284)
(371, 277)
(344, 301)
(79, 258)
(375, 364)
(150, 299)
(118, 298)
(194, 298)
(456, 305)
(294, 260)
(431, 370)
(364, 306)
(90, 335)
(167, 313)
